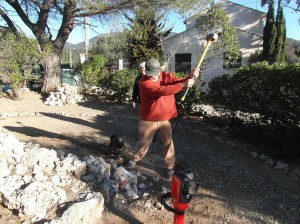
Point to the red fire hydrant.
(183, 187)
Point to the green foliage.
(292, 51)
(118, 85)
(272, 92)
(269, 35)
(16, 79)
(192, 98)
(66, 15)
(189, 7)
(279, 53)
(65, 58)
(215, 20)
(145, 35)
(92, 70)
(114, 46)
(274, 35)
(20, 55)
(255, 57)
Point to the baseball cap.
(152, 67)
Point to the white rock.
(4, 169)
(83, 212)
(98, 167)
(269, 162)
(11, 147)
(38, 197)
(281, 166)
(8, 187)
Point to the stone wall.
(44, 185)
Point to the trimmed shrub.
(262, 102)
(118, 85)
(192, 98)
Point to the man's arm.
(172, 79)
(150, 88)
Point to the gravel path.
(234, 187)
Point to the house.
(183, 49)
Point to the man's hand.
(134, 104)
(188, 83)
(194, 73)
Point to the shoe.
(169, 174)
(131, 164)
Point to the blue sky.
(292, 25)
(175, 21)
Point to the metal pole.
(87, 44)
(71, 59)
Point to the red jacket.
(157, 98)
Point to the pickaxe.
(209, 38)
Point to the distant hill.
(292, 48)
(80, 47)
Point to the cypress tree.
(272, 45)
(283, 55)
(269, 35)
(279, 53)
(279, 37)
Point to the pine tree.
(145, 36)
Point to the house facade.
(182, 50)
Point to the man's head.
(142, 68)
(152, 67)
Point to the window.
(183, 63)
(228, 62)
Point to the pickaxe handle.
(198, 64)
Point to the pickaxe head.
(212, 37)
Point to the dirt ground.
(234, 186)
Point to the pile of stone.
(42, 185)
(65, 95)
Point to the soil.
(234, 186)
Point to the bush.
(19, 56)
(255, 57)
(192, 98)
(92, 70)
(272, 92)
(118, 85)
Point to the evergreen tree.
(269, 35)
(65, 59)
(274, 46)
(39, 16)
(281, 35)
(113, 45)
(145, 35)
(283, 55)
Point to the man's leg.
(165, 131)
(146, 132)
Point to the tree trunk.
(51, 64)
(17, 93)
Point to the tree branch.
(8, 21)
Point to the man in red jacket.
(157, 108)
